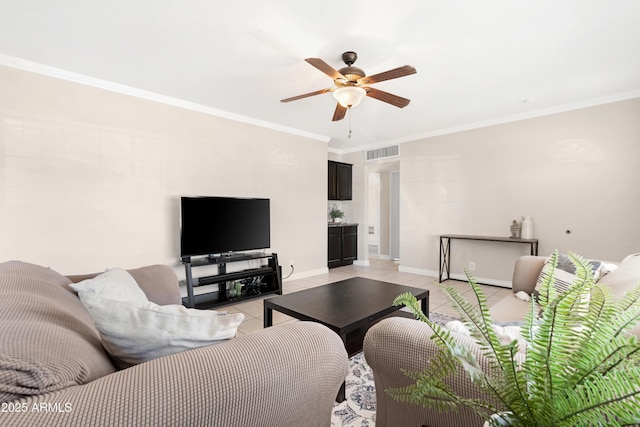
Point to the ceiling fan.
(351, 84)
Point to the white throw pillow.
(134, 330)
(565, 273)
(115, 284)
(505, 333)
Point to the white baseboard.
(433, 273)
(305, 274)
(420, 271)
(361, 262)
(484, 280)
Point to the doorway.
(383, 219)
(373, 228)
(394, 215)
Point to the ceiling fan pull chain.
(349, 122)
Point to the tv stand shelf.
(271, 283)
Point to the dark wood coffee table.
(349, 307)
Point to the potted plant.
(336, 214)
(581, 367)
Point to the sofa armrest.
(287, 375)
(400, 343)
(526, 271)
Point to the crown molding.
(498, 121)
(59, 73)
(46, 70)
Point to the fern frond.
(613, 399)
(439, 397)
(627, 309)
(478, 320)
(559, 332)
(445, 342)
(582, 367)
(503, 372)
(546, 290)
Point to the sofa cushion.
(509, 308)
(159, 283)
(135, 330)
(48, 339)
(625, 277)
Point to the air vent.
(380, 153)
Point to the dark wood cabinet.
(340, 181)
(343, 245)
(350, 243)
(335, 246)
(333, 181)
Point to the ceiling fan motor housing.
(351, 73)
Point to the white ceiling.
(477, 61)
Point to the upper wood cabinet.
(340, 181)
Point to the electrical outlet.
(290, 263)
(472, 266)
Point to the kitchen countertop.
(341, 224)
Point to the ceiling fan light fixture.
(349, 96)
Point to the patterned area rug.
(359, 408)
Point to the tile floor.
(379, 270)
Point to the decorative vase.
(515, 230)
(526, 228)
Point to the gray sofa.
(397, 343)
(526, 272)
(54, 370)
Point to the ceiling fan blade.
(387, 75)
(306, 95)
(339, 113)
(387, 97)
(326, 68)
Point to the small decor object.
(526, 231)
(232, 292)
(515, 230)
(336, 214)
(581, 367)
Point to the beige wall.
(574, 171)
(91, 179)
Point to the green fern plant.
(581, 367)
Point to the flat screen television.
(220, 225)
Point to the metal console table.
(445, 248)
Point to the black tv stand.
(228, 255)
(271, 282)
